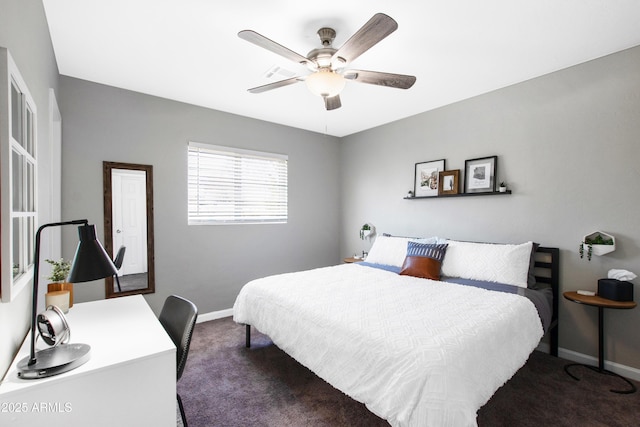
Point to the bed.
(415, 350)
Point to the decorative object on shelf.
(426, 178)
(58, 278)
(91, 262)
(409, 194)
(480, 175)
(597, 243)
(367, 231)
(448, 182)
(503, 187)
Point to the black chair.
(118, 263)
(119, 257)
(178, 317)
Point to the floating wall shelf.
(444, 196)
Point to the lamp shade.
(91, 261)
(325, 83)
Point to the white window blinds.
(236, 186)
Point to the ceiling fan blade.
(400, 81)
(332, 102)
(376, 29)
(275, 85)
(262, 41)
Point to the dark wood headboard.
(547, 270)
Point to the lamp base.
(54, 361)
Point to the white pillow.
(388, 250)
(435, 240)
(490, 262)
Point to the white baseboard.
(574, 356)
(214, 315)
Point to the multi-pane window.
(18, 180)
(236, 186)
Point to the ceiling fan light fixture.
(325, 83)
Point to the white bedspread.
(416, 352)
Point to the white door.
(130, 219)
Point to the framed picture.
(480, 175)
(426, 178)
(448, 182)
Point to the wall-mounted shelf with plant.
(367, 231)
(597, 243)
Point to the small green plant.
(590, 241)
(598, 240)
(60, 270)
(503, 184)
(589, 250)
(364, 231)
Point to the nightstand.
(601, 303)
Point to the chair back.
(119, 257)
(178, 317)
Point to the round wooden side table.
(601, 303)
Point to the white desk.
(130, 379)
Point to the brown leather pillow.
(420, 266)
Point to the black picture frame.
(480, 174)
(426, 178)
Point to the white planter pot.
(599, 250)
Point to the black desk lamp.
(91, 262)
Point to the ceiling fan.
(328, 65)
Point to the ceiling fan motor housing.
(327, 35)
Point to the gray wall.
(568, 144)
(208, 264)
(24, 31)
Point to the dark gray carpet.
(226, 384)
(130, 282)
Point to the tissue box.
(616, 290)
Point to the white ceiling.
(189, 51)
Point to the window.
(18, 180)
(236, 186)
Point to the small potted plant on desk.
(58, 275)
(503, 187)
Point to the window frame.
(242, 155)
(17, 207)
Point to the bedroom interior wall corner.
(567, 145)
